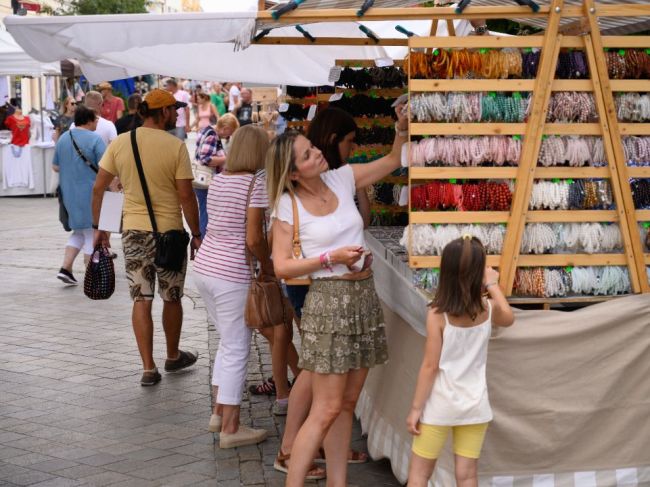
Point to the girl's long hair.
(280, 163)
(460, 288)
(326, 131)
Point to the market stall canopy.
(194, 46)
(14, 60)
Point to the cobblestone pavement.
(71, 409)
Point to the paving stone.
(53, 465)
(28, 478)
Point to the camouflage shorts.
(139, 252)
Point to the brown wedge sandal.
(315, 472)
(354, 456)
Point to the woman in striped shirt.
(222, 275)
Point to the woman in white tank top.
(451, 392)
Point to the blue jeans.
(297, 295)
(202, 198)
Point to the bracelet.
(491, 284)
(96, 227)
(326, 261)
(196, 235)
(401, 133)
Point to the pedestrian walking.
(451, 394)
(237, 201)
(217, 97)
(76, 159)
(168, 174)
(206, 113)
(112, 106)
(244, 107)
(182, 125)
(131, 120)
(234, 91)
(66, 117)
(105, 128)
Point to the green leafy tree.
(101, 7)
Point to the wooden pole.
(530, 150)
(620, 180)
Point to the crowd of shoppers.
(298, 186)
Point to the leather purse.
(202, 176)
(296, 246)
(265, 305)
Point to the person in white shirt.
(105, 128)
(183, 118)
(233, 96)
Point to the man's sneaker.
(150, 377)
(66, 276)
(244, 436)
(184, 360)
(281, 407)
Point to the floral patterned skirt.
(342, 327)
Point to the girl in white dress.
(451, 393)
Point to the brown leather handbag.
(265, 305)
(296, 246)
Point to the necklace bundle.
(571, 106)
(637, 150)
(432, 239)
(571, 65)
(588, 238)
(464, 63)
(640, 193)
(426, 279)
(465, 151)
(581, 194)
(575, 151)
(469, 107)
(632, 107)
(482, 196)
(558, 282)
(375, 135)
(365, 106)
(375, 77)
(628, 64)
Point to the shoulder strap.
(297, 247)
(489, 306)
(81, 154)
(143, 181)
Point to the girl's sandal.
(315, 472)
(354, 456)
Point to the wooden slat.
(467, 128)
(552, 260)
(614, 152)
(630, 84)
(433, 261)
(642, 215)
(462, 172)
(475, 41)
(571, 216)
(572, 129)
(459, 216)
(572, 172)
(638, 172)
(572, 85)
(518, 300)
(330, 41)
(634, 128)
(363, 63)
(532, 144)
(625, 10)
(381, 92)
(642, 42)
(646, 259)
(471, 84)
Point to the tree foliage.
(99, 7)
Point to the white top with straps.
(459, 395)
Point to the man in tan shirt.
(168, 173)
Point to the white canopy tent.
(200, 46)
(15, 61)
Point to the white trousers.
(82, 240)
(225, 302)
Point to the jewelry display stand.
(533, 131)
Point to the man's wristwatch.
(96, 227)
(196, 235)
(481, 30)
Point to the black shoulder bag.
(171, 246)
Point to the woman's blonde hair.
(228, 120)
(280, 163)
(63, 109)
(247, 151)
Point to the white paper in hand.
(336, 96)
(312, 112)
(110, 216)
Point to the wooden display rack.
(527, 171)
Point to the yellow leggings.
(468, 440)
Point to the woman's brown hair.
(462, 268)
(326, 131)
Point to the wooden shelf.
(493, 42)
(425, 85)
(500, 128)
(421, 173)
(571, 172)
(395, 179)
(634, 128)
(560, 260)
(623, 85)
(642, 215)
(459, 216)
(570, 216)
(638, 172)
(381, 92)
(389, 208)
(433, 261)
(364, 63)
